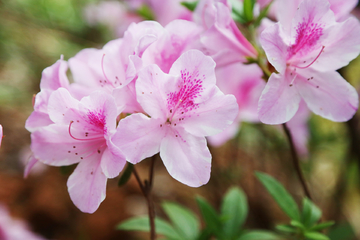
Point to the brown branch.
(296, 162)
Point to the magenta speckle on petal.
(191, 87)
(307, 35)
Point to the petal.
(212, 116)
(139, 137)
(126, 97)
(29, 165)
(221, 138)
(87, 185)
(62, 107)
(152, 86)
(54, 146)
(341, 45)
(186, 157)
(273, 44)
(112, 161)
(54, 77)
(37, 120)
(279, 101)
(178, 36)
(197, 65)
(328, 94)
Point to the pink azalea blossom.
(184, 106)
(81, 134)
(299, 129)
(178, 36)
(306, 57)
(167, 11)
(246, 84)
(222, 39)
(112, 14)
(14, 229)
(52, 78)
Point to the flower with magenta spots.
(81, 134)
(306, 57)
(183, 107)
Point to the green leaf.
(234, 210)
(262, 15)
(322, 226)
(145, 12)
(310, 213)
(190, 5)
(249, 9)
(142, 224)
(259, 235)
(281, 196)
(210, 216)
(286, 228)
(183, 219)
(126, 174)
(316, 236)
(297, 224)
(342, 231)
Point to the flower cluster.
(163, 89)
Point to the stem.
(296, 162)
(146, 191)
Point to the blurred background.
(33, 35)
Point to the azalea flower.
(222, 39)
(306, 57)
(183, 107)
(14, 229)
(81, 134)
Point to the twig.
(296, 162)
(146, 191)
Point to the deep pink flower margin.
(186, 81)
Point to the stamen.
(313, 60)
(103, 70)
(292, 81)
(97, 138)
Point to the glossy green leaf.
(310, 213)
(183, 220)
(142, 224)
(234, 210)
(286, 228)
(316, 236)
(322, 226)
(190, 5)
(297, 224)
(281, 196)
(210, 216)
(343, 231)
(126, 174)
(259, 235)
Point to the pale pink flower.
(299, 129)
(306, 57)
(14, 229)
(246, 84)
(81, 134)
(167, 11)
(52, 78)
(222, 39)
(112, 14)
(184, 106)
(178, 37)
